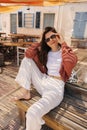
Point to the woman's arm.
(33, 53)
(69, 60)
(32, 50)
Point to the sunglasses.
(51, 37)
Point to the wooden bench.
(79, 43)
(71, 114)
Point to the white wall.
(5, 22)
(64, 16)
(42, 10)
(68, 16)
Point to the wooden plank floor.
(8, 120)
(9, 116)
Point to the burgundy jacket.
(69, 60)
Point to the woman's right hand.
(60, 38)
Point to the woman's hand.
(60, 38)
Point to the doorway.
(48, 20)
(13, 23)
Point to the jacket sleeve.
(33, 53)
(69, 60)
(32, 50)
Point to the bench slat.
(68, 123)
(75, 114)
(68, 115)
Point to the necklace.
(56, 49)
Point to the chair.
(20, 54)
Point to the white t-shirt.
(54, 62)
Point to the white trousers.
(51, 90)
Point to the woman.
(47, 65)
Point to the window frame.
(29, 20)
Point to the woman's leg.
(49, 100)
(28, 72)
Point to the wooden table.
(1, 33)
(16, 43)
(24, 37)
(2, 37)
(79, 43)
(31, 37)
(10, 44)
(10, 48)
(16, 37)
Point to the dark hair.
(44, 47)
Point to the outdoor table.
(31, 37)
(9, 49)
(11, 44)
(1, 33)
(2, 37)
(16, 37)
(24, 37)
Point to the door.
(48, 20)
(13, 23)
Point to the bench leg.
(22, 117)
(1, 70)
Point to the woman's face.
(51, 39)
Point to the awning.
(6, 9)
(12, 5)
(40, 2)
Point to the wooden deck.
(8, 110)
(8, 88)
(9, 116)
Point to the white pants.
(51, 90)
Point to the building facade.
(68, 19)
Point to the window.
(29, 20)
(37, 19)
(13, 23)
(80, 23)
(48, 20)
(19, 19)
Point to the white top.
(54, 62)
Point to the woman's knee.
(25, 59)
(28, 61)
(35, 110)
(31, 113)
